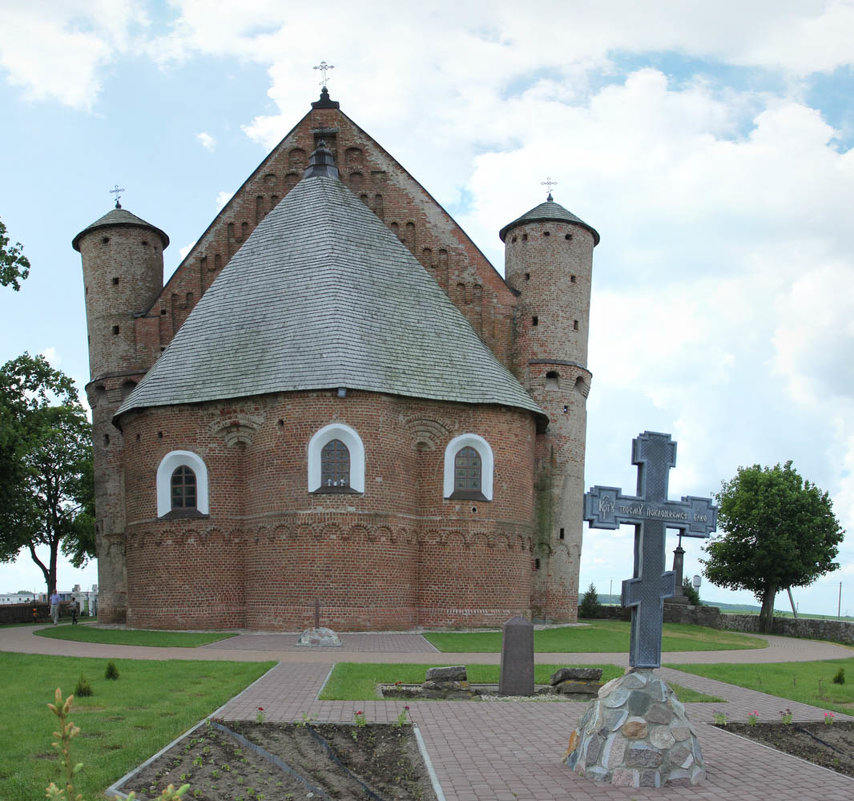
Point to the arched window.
(336, 460)
(183, 488)
(468, 468)
(467, 471)
(182, 485)
(334, 465)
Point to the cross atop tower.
(549, 183)
(324, 68)
(118, 193)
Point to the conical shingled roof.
(546, 212)
(118, 216)
(323, 295)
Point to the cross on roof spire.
(549, 183)
(117, 192)
(324, 68)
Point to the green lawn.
(357, 681)
(153, 639)
(600, 636)
(807, 682)
(123, 723)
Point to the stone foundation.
(636, 734)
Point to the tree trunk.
(49, 580)
(766, 615)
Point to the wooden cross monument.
(651, 514)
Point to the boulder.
(575, 674)
(446, 674)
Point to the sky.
(710, 144)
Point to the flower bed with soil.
(246, 761)
(829, 746)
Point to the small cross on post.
(549, 183)
(651, 514)
(118, 193)
(324, 68)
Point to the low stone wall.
(24, 613)
(694, 615)
(841, 631)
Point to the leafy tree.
(589, 606)
(46, 490)
(14, 265)
(779, 532)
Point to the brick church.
(337, 398)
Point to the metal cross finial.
(117, 192)
(549, 183)
(324, 68)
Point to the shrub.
(691, 592)
(589, 606)
(112, 672)
(83, 687)
(839, 678)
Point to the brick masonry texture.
(399, 555)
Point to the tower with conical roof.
(548, 264)
(122, 275)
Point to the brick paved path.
(511, 750)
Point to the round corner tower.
(549, 265)
(122, 277)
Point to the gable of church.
(406, 208)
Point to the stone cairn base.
(319, 637)
(636, 734)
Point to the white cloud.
(57, 51)
(222, 198)
(206, 141)
(53, 357)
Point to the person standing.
(75, 609)
(54, 607)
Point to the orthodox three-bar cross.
(324, 68)
(651, 514)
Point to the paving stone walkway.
(511, 750)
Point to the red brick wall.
(397, 556)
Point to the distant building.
(336, 397)
(20, 597)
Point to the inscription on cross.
(652, 514)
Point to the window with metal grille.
(334, 465)
(183, 488)
(467, 471)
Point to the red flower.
(260, 708)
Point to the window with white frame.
(336, 461)
(469, 467)
(182, 485)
